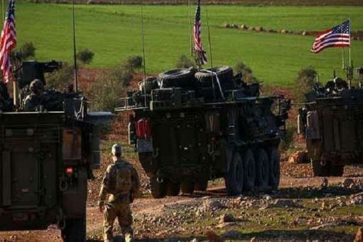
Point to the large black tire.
(320, 170)
(201, 185)
(235, 178)
(208, 93)
(262, 170)
(74, 230)
(249, 170)
(225, 76)
(148, 164)
(148, 84)
(177, 78)
(274, 168)
(336, 170)
(187, 187)
(201, 182)
(172, 188)
(158, 188)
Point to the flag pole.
(143, 38)
(349, 50)
(343, 59)
(15, 93)
(209, 39)
(143, 50)
(191, 30)
(74, 49)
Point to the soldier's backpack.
(120, 181)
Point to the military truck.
(332, 123)
(46, 157)
(190, 126)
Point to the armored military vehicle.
(191, 126)
(332, 123)
(46, 157)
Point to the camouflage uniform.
(121, 182)
(35, 99)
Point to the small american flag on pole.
(338, 36)
(198, 47)
(8, 42)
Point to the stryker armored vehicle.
(46, 157)
(192, 126)
(332, 123)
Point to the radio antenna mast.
(74, 49)
(143, 50)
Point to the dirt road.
(150, 213)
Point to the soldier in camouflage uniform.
(121, 182)
(35, 98)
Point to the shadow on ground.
(278, 235)
(268, 235)
(289, 193)
(314, 192)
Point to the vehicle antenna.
(143, 50)
(74, 49)
(209, 39)
(190, 30)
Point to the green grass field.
(114, 32)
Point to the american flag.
(8, 41)
(339, 36)
(198, 47)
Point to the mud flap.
(74, 199)
(144, 146)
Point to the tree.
(133, 62)
(106, 91)
(304, 82)
(184, 62)
(85, 56)
(26, 51)
(61, 78)
(246, 71)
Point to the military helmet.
(36, 85)
(116, 150)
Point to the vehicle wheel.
(187, 187)
(148, 84)
(262, 170)
(74, 230)
(158, 188)
(172, 188)
(224, 73)
(177, 78)
(235, 177)
(201, 185)
(336, 170)
(318, 169)
(249, 170)
(201, 182)
(274, 168)
(148, 164)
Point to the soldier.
(5, 100)
(35, 98)
(121, 182)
